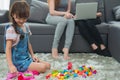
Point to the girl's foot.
(54, 53)
(66, 52)
(102, 47)
(96, 49)
(94, 46)
(105, 51)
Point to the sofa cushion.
(4, 16)
(28, 1)
(103, 28)
(38, 11)
(47, 29)
(2, 26)
(42, 29)
(108, 9)
(116, 11)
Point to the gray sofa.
(43, 34)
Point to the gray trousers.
(61, 23)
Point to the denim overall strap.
(21, 58)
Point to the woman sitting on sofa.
(91, 34)
(59, 14)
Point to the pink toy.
(69, 65)
(94, 72)
(28, 75)
(11, 75)
(35, 72)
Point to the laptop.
(86, 10)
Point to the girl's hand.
(13, 69)
(74, 16)
(35, 59)
(68, 15)
(98, 14)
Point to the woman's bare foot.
(66, 52)
(54, 53)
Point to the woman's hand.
(13, 69)
(68, 15)
(98, 14)
(35, 59)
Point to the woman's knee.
(63, 20)
(71, 21)
(55, 19)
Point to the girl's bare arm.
(11, 66)
(8, 52)
(69, 6)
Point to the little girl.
(17, 44)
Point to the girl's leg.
(46, 63)
(40, 67)
(83, 27)
(55, 53)
(58, 32)
(69, 37)
(61, 24)
(84, 32)
(66, 52)
(94, 31)
(102, 50)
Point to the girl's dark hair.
(21, 10)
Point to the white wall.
(4, 4)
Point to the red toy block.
(69, 65)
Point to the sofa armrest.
(114, 40)
(4, 16)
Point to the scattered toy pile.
(69, 72)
